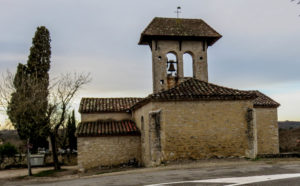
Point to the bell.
(171, 67)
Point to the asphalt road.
(230, 174)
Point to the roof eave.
(99, 112)
(146, 39)
(108, 135)
(266, 106)
(147, 100)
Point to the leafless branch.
(62, 90)
(6, 89)
(62, 94)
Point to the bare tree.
(6, 89)
(60, 103)
(62, 90)
(7, 125)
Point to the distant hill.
(288, 124)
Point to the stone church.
(185, 118)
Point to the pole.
(28, 159)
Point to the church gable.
(194, 89)
(197, 89)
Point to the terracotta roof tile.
(107, 128)
(191, 89)
(98, 105)
(174, 28)
(264, 101)
(194, 89)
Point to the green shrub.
(7, 150)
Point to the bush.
(7, 150)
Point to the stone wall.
(199, 129)
(141, 118)
(105, 116)
(160, 48)
(267, 130)
(107, 151)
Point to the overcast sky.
(259, 49)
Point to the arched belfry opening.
(172, 64)
(188, 64)
(179, 50)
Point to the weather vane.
(178, 11)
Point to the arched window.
(187, 65)
(171, 64)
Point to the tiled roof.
(107, 128)
(174, 28)
(194, 89)
(98, 105)
(264, 101)
(191, 89)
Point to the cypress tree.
(16, 112)
(38, 65)
(28, 106)
(71, 129)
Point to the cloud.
(259, 48)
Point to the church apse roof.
(264, 101)
(179, 29)
(107, 128)
(99, 105)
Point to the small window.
(161, 82)
(142, 123)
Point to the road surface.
(263, 173)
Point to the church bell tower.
(177, 37)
